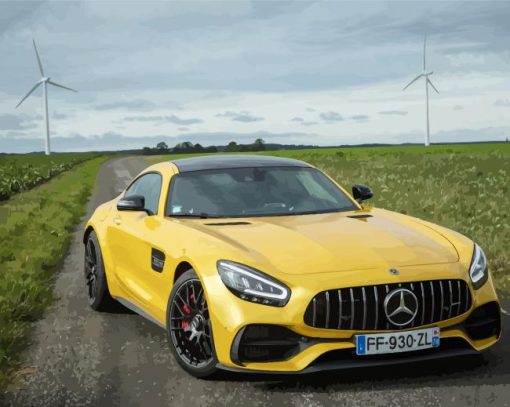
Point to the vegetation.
(189, 148)
(180, 148)
(462, 187)
(35, 228)
(258, 145)
(22, 172)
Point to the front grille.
(362, 308)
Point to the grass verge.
(462, 187)
(35, 229)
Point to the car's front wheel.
(95, 276)
(189, 326)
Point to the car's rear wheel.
(189, 326)
(97, 287)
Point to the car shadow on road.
(117, 308)
(489, 367)
(463, 370)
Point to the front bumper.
(347, 359)
(323, 349)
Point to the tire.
(189, 327)
(97, 287)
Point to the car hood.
(332, 242)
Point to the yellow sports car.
(265, 264)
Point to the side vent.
(157, 260)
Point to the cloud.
(144, 119)
(244, 117)
(331, 117)
(162, 119)
(360, 117)
(393, 112)
(114, 141)
(134, 104)
(298, 46)
(19, 142)
(469, 134)
(302, 121)
(183, 129)
(61, 116)
(458, 107)
(17, 122)
(225, 137)
(502, 103)
(177, 120)
(305, 58)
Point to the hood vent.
(363, 216)
(227, 223)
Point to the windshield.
(260, 191)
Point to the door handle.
(117, 220)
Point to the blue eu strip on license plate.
(393, 342)
(361, 344)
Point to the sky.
(299, 72)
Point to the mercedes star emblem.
(401, 306)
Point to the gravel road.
(81, 357)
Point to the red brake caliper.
(185, 323)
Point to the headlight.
(252, 285)
(478, 271)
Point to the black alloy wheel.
(91, 269)
(97, 287)
(189, 326)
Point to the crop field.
(463, 187)
(35, 228)
(22, 172)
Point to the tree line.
(188, 147)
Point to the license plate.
(405, 341)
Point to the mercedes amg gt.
(265, 264)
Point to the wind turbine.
(44, 81)
(428, 82)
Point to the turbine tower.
(44, 81)
(428, 82)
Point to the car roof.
(211, 162)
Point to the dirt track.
(81, 357)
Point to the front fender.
(98, 223)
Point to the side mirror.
(132, 203)
(361, 192)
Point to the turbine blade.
(425, 53)
(62, 86)
(414, 80)
(29, 93)
(431, 84)
(38, 58)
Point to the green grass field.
(20, 172)
(462, 187)
(35, 228)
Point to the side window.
(148, 186)
(316, 189)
